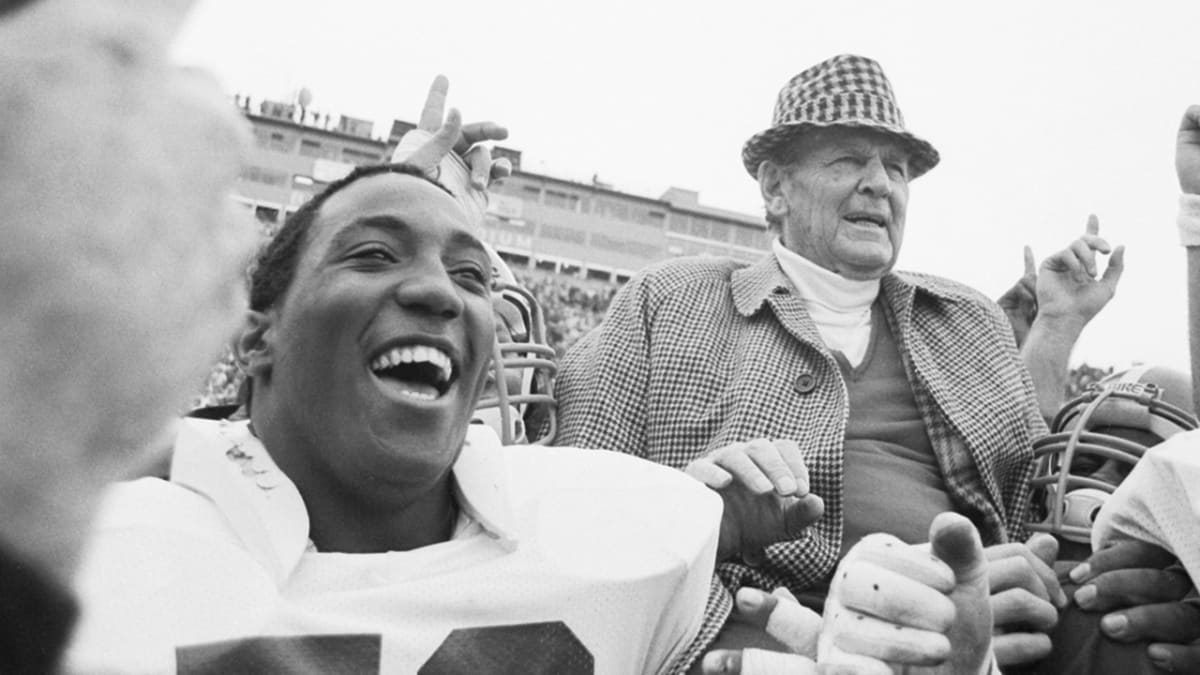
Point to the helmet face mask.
(1096, 440)
(518, 399)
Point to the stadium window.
(699, 228)
(745, 236)
(546, 265)
(310, 148)
(719, 232)
(569, 269)
(263, 175)
(532, 192)
(562, 200)
(623, 278)
(678, 223)
(355, 156)
(600, 275)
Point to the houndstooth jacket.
(697, 353)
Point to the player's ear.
(253, 347)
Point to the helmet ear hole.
(1095, 513)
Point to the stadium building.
(535, 221)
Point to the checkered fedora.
(846, 90)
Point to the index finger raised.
(1030, 262)
(435, 105)
(1093, 224)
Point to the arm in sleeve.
(603, 381)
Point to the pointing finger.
(1030, 263)
(431, 153)
(1093, 224)
(435, 104)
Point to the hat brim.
(759, 147)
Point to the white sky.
(1043, 111)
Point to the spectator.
(118, 263)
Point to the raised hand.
(1187, 152)
(764, 485)
(439, 132)
(1068, 286)
(1020, 302)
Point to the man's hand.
(778, 615)
(1025, 597)
(1068, 289)
(922, 613)
(1128, 574)
(1138, 580)
(439, 133)
(1187, 152)
(764, 485)
(1020, 302)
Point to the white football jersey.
(563, 561)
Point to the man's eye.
(472, 274)
(375, 253)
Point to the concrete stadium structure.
(588, 231)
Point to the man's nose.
(430, 290)
(875, 180)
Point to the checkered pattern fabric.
(846, 90)
(697, 353)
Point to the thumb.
(1116, 265)
(801, 513)
(955, 541)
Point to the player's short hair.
(275, 266)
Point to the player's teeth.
(414, 354)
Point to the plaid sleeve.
(716, 613)
(603, 378)
(1017, 489)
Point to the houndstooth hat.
(846, 90)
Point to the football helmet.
(518, 399)
(1096, 439)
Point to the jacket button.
(805, 383)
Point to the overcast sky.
(1043, 112)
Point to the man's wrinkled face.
(844, 199)
(381, 342)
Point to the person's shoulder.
(669, 275)
(943, 288)
(155, 504)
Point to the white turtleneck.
(840, 307)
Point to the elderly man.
(905, 391)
